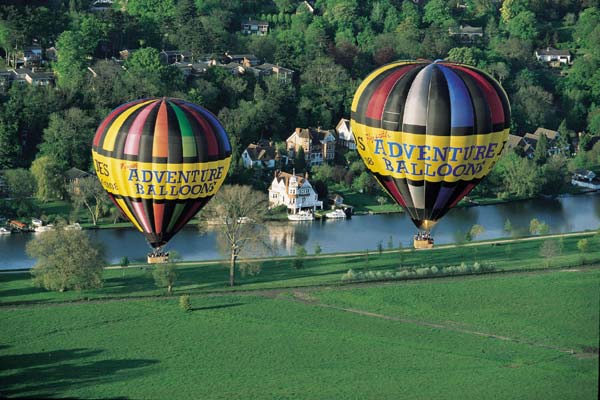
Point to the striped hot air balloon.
(429, 132)
(161, 161)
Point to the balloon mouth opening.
(427, 224)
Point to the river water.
(563, 214)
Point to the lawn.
(246, 347)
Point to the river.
(563, 214)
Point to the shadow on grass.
(217, 307)
(51, 373)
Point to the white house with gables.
(293, 191)
(345, 136)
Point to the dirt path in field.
(303, 297)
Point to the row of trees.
(331, 51)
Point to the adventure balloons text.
(161, 161)
(169, 182)
(392, 154)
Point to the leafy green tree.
(10, 149)
(540, 155)
(89, 193)
(322, 92)
(67, 138)
(556, 177)
(146, 76)
(534, 106)
(318, 249)
(583, 245)
(300, 160)
(476, 230)
(20, 183)
(66, 259)
(48, 175)
(70, 67)
(301, 253)
(523, 26)
(465, 55)
(165, 274)
(438, 12)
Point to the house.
(101, 5)
(306, 6)
(172, 56)
(51, 54)
(553, 56)
(19, 76)
(345, 136)
(336, 199)
(266, 69)
(552, 139)
(466, 33)
(261, 155)
(234, 68)
(254, 27)
(126, 53)
(246, 60)
(293, 191)
(37, 78)
(5, 80)
(74, 175)
(318, 144)
(586, 179)
(32, 56)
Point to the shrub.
(349, 275)
(476, 267)
(250, 269)
(184, 303)
(434, 270)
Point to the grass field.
(428, 339)
(322, 270)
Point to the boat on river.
(303, 215)
(336, 214)
(4, 231)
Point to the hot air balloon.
(429, 132)
(161, 161)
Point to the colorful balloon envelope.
(161, 161)
(429, 132)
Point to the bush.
(250, 269)
(184, 303)
(66, 259)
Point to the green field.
(197, 278)
(428, 339)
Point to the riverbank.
(509, 255)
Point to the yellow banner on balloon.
(432, 158)
(143, 180)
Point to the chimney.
(297, 130)
(306, 175)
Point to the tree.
(20, 183)
(165, 274)
(67, 138)
(237, 214)
(300, 160)
(380, 247)
(438, 12)
(549, 249)
(298, 262)
(465, 55)
(47, 173)
(184, 303)
(476, 230)
(508, 226)
(523, 26)
(318, 249)
(583, 245)
(66, 259)
(540, 153)
(537, 227)
(390, 243)
(89, 193)
(10, 149)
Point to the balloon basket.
(423, 243)
(158, 258)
